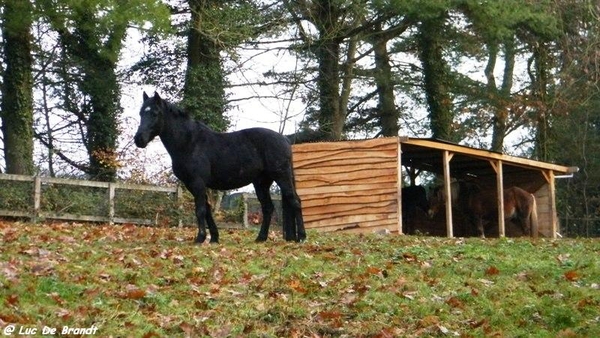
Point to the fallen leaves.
(12, 300)
(492, 271)
(383, 273)
(295, 285)
(57, 298)
(132, 292)
(572, 275)
(10, 269)
(335, 285)
(454, 302)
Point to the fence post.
(245, 202)
(179, 205)
(37, 197)
(111, 203)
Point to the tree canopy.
(515, 76)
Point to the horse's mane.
(178, 112)
(175, 110)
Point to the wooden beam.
(179, 197)
(37, 213)
(13, 177)
(448, 191)
(500, 193)
(553, 212)
(111, 203)
(487, 155)
(343, 145)
(547, 176)
(37, 197)
(494, 166)
(399, 187)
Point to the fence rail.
(36, 213)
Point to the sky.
(267, 108)
(268, 111)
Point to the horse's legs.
(480, 227)
(533, 218)
(291, 202)
(289, 228)
(200, 204)
(409, 220)
(262, 186)
(203, 213)
(212, 226)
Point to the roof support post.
(497, 165)
(553, 212)
(448, 192)
(399, 186)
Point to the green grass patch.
(151, 281)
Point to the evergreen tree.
(91, 35)
(17, 87)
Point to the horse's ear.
(145, 96)
(157, 97)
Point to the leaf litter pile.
(154, 282)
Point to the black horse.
(413, 197)
(203, 158)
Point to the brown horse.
(481, 206)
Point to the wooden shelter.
(356, 185)
(348, 185)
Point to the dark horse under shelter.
(203, 158)
(414, 197)
(480, 206)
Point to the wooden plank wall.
(544, 209)
(348, 185)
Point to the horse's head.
(151, 120)
(437, 200)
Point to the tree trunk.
(347, 71)
(17, 88)
(204, 88)
(540, 87)
(101, 89)
(331, 121)
(388, 114)
(436, 77)
(500, 98)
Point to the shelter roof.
(466, 162)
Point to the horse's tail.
(533, 218)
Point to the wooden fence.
(34, 208)
(349, 185)
(35, 212)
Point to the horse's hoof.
(260, 239)
(289, 238)
(200, 239)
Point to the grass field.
(153, 282)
